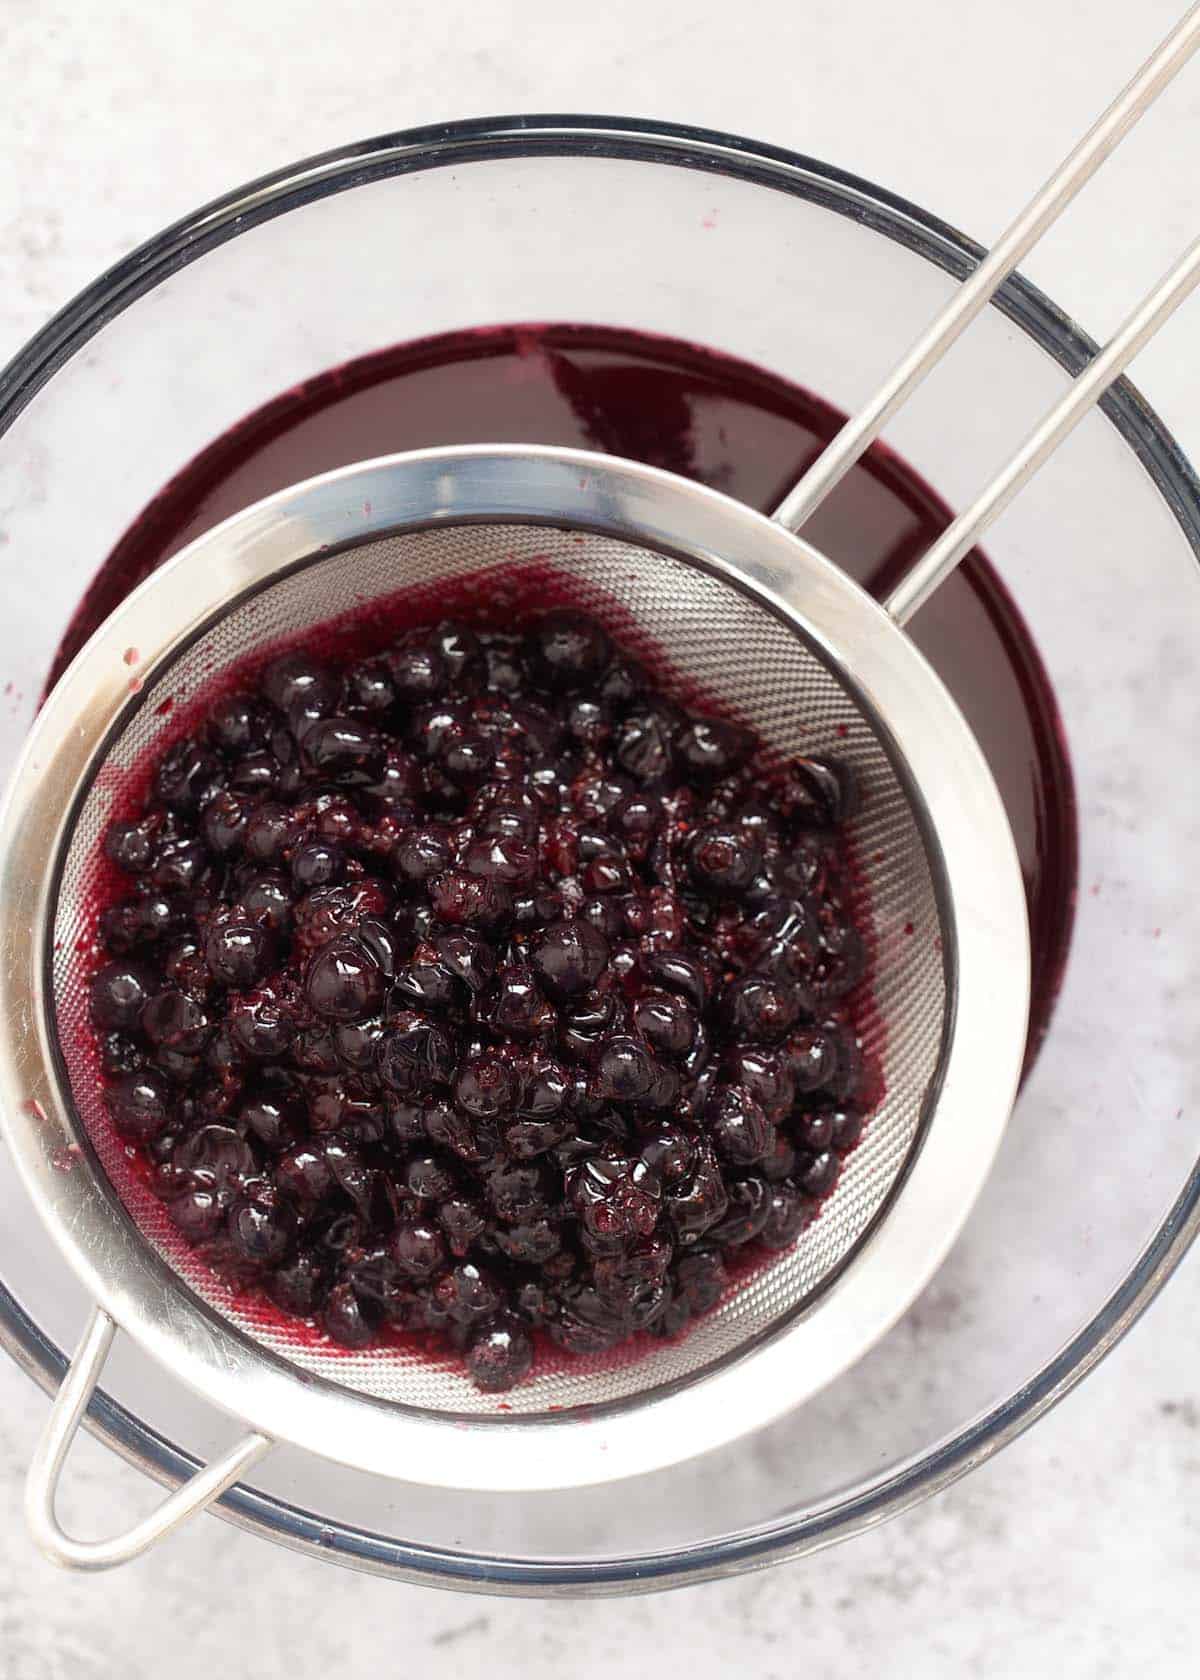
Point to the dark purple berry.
(370, 688)
(346, 1319)
(498, 1356)
(617, 1200)
(678, 971)
(297, 1286)
(424, 983)
(520, 1192)
(305, 1175)
(738, 1127)
(261, 1026)
(709, 749)
(569, 958)
(276, 1122)
(485, 1088)
(459, 651)
(238, 954)
(177, 1021)
(121, 929)
(567, 650)
(467, 1293)
(259, 1233)
(467, 956)
(529, 1244)
(344, 982)
(626, 1072)
(225, 820)
(197, 1214)
(847, 1129)
(668, 1151)
(698, 1201)
(468, 900)
(515, 1006)
(418, 1249)
(756, 1007)
(187, 777)
(723, 860)
(236, 724)
(345, 750)
(767, 1076)
(701, 1278)
(130, 846)
(319, 863)
(665, 1022)
(118, 993)
(415, 1053)
(645, 742)
(820, 792)
(814, 1132)
(817, 1174)
(140, 1104)
(501, 858)
(789, 1213)
(749, 1209)
(296, 682)
(267, 832)
(418, 672)
(463, 1219)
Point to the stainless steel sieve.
(775, 632)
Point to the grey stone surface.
(1071, 1556)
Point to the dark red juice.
(725, 423)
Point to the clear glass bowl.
(823, 279)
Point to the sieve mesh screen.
(737, 652)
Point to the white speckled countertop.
(1073, 1554)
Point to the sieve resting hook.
(45, 1470)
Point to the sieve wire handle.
(936, 564)
(977, 290)
(45, 1470)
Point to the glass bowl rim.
(885, 213)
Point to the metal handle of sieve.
(1042, 211)
(957, 540)
(45, 1470)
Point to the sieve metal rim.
(985, 912)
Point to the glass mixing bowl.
(823, 279)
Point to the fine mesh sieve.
(757, 668)
(724, 602)
(742, 608)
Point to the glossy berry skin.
(345, 1318)
(498, 1356)
(759, 1009)
(130, 846)
(118, 994)
(238, 953)
(569, 958)
(297, 681)
(345, 750)
(473, 993)
(344, 982)
(173, 1019)
(259, 1232)
(666, 1023)
(140, 1104)
(567, 650)
(723, 860)
(739, 1129)
(418, 1248)
(709, 749)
